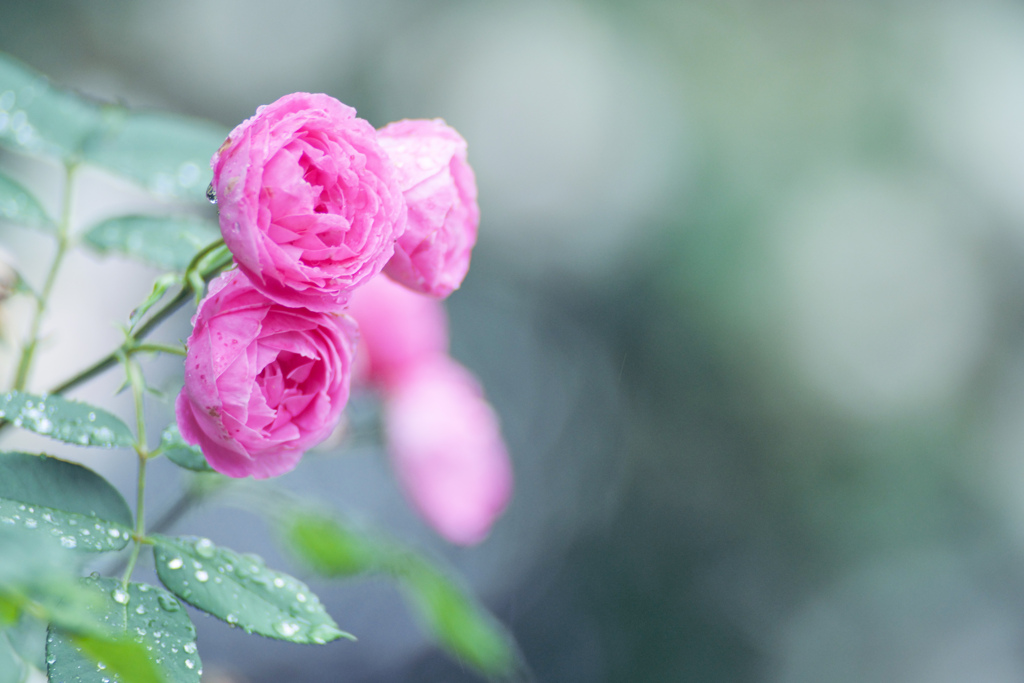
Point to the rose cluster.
(314, 205)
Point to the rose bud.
(447, 451)
(309, 202)
(263, 382)
(432, 255)
(398, 328)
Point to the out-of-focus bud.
(447, 450)
(398, 329)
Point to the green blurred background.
(747, 296)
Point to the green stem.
(138, 393)
(111, 359)
(158, 348)
(28, 351)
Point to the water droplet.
(168, 603)
(205, 548)
(211, 194)
(279, 582)
(100, 666)
(189, 648)
(231, 619)
(324, 633)
(91, 416)
(190, 664)
(50, 659)
(202, 576)
(140, 610)
(31, 523)
(68, 541)
(287, 628)
(120, 596)
(114, 533)
(174, 563)
(254, 559)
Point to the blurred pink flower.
(398, 328)
(432, 255)
(263, 382)
(447, 450)
(309, 202)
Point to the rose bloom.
(263, 382)
(398, 328)
(447, 450)
(309, 202)
(432, 255)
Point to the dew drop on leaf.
(205, 548)
(168, 603)
(287, 628)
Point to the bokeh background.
(747, 297)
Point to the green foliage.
(17, 205)
(62, 500)
(85, 659)
(459, 624)
(242, 591)
(160, 287)
(168, 242)
(330, 549)
(65, 420)
(181, 453)
(140, 620)
(12, 669)
(8, 613)
(28, 638)
(39, 118)
(168, 154)
(39, 577)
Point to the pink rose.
(263, 382)
(447, 450)
(397, 329)
(309, 202)
(432, 256)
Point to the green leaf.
(65, 420)
(167, 242)
(8, 612)
(28, 638)
(168, 154)
(460, 625)
(39, 577)
(332, 550)
(86, 659)
(65, 500)
(39, 118)
(142, 620)
(12, 669)
(17, 205)
(242, 591)
(181, 453)
(160, 287)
